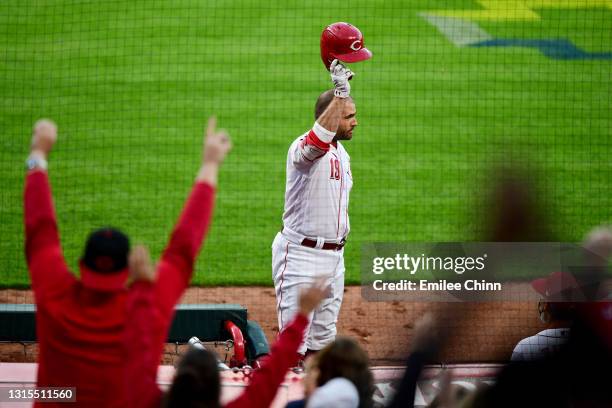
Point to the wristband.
(323, 134)
(34, 162)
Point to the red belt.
(328, 245)
(311, 243)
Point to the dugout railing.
(208, 322)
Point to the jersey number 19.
(334, 169)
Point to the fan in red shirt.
(80, 324)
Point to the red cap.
(343, 41)
(555, 284)
(108, 282)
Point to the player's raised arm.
(317, 141)
(43, 251)
(176, 265)
(330, 118)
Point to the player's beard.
(344, 134)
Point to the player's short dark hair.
(323, 102)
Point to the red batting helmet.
(344, 42)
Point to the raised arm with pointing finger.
(175, 268)
(159, 294)
(176, 265)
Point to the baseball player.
(316, 224)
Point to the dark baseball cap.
(104, 263)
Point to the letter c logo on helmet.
(344, 42)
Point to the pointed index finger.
(212, 125)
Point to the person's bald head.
(323, 102)
(347, 121)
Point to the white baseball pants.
(295, 267)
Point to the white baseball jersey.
(319, 181)
(318, 186)
(545, 343)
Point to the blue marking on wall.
(556, 49)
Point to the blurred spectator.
(80, 323)
(337, 376)
(593, 278)
(599, 242)
(514, 213)
(424, 348)
(197, 382)
(338, 392)
(560, 293)
(576, 376)
(342, 376)
(556, 311)
(450, 395)
(573, 374)
(595, 281)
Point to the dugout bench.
(208, 322)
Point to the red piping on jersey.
(346, 212)
(280, 301)
(340, 200)
(345, 221)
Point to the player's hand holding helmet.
(340, 76)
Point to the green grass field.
(131, 83)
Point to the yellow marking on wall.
(570, 4)
(509, 10)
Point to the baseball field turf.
(454, 90)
